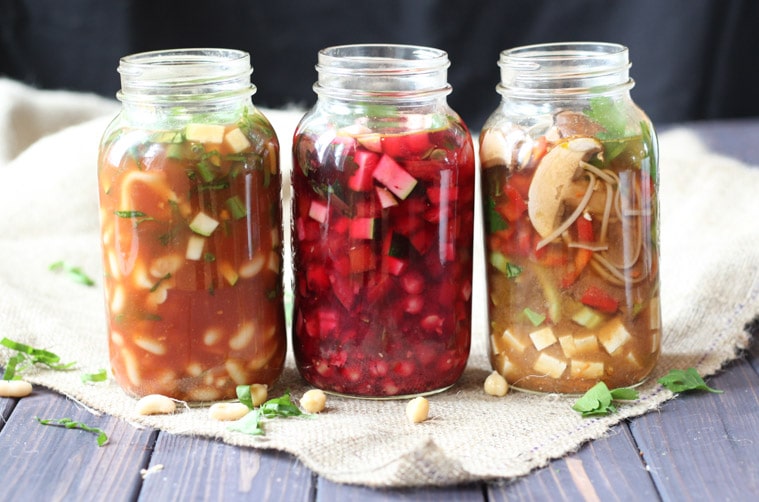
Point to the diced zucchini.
(588, 317)
(204, 133)
(203, 224)
(195, 246)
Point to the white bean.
(258, 393)
(417, 410)
(15, 388)
(313, 401)
(496, 385)
(227, 411)
(155, 404)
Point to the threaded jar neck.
(378, 72)
(185, 76)
(536, 71)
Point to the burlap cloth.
(48, 212)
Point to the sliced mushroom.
(552, 178)
(511, 148)
(573, 124)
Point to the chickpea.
(15, 388)
(313, 401)
(496, 385)
(227, 411)
(417, 410)
(155, 404)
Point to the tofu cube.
(543, 338)
(506, 341)
(586, 369)
(586, 344)
(504, 366)
(613, 335)
(568, 346)
(549, 365)
(236, 140)
(204, 133)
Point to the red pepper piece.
(599, 299)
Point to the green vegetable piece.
(280, 407)
(99, 376)
(75, 273)
(68, 423)
(536, 318)
(11, 367)
(236, 207)
(243, 394)
(32, 356)
(251, 424)
(597, 401)
(610, 116)
(502, 264)
(157, 284)
(682, 381)
(493, 219)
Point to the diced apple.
(195, 246)
(385, 197)
(549, 365)
(394, 177)
(236, 140)
(204, 133)
(203, 224)
(613, 335)
(586, 369)
(318, 211)
(543, 338)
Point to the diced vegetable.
(203, 224)
(204, 133)
(394, 177)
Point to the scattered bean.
(15, 388)
(313, 401)
(227, 411)
(496, 385)
(417, 410)
(155, 404)
(258, 393)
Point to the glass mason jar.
(190, 212)
(569, 183)
(383, 211)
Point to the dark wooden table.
(696, 447)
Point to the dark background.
(692, 59)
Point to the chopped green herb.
(236, 207)
(536, 318)
(30, 356)
(681, 381)
(68, 423)
(157, 284)
(133, 214)
(493, 219)
(216, 185)
(598, 400)
(252, 423)
(501, 263)
(209, 257)
(98, 376)
(75, 273)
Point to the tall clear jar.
(383, 211)
(190, 212)
(569, 183)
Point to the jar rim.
(381, 58)
(178, 74)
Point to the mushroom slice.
(552, 177)
(575, 124)
(509, 148)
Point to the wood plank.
(703, 446)
(6, 408)
(328, 491)
(609, 468)
(196, 468)
(52, 463)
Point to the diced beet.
(317, 278)
(318, 211)
(344, 289)
(437, 194)
(427, 170)
(422, 240)
(361, 228)
(394, 177)
(307, 230)
(361, 258)
(394, 266)
(361, 180)
(378, 287)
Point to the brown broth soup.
(572, 267)
(192, 250)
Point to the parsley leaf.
(76, 273)
(31, 356)
(681, 381)
(598, 400)
(243, 394)
(252, 423)
(68, 423)
(98, 376)
(280, 407)
(493, 219)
